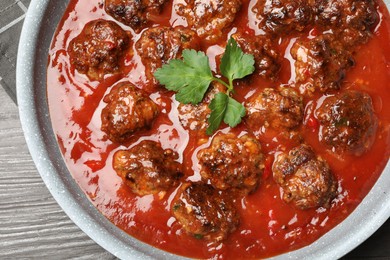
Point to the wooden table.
(32, 225)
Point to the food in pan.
(223, 129)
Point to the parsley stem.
(223, 83)
(231, 85)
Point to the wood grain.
(32, 225)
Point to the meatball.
(348, 122)
(159, 45)
(99, 49)
(128, 110)
(266, 57)
(194, 117)
(204, 212)
(283, 16)
(352, 20)
(305, 178)
(148, 169)
(209, 18)
(135, 13)
(280, 109)
(321, 62)
(232, 162)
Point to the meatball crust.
(348, 122)
(98, 49)
(266, 57)
(205, 212)
(305, 178)
(209, 18)
(128, 110)
(148, 169)
(279, 109)
(321, 62)
(232, 162)
(281, 16)
(352, 20)
(158, 45)
(134, 13)
(194, 117)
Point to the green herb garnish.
(176, 207)
(198, 236)
(191, 77)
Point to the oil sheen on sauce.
(268, 225)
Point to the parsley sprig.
(191, 77)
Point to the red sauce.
(268, 225)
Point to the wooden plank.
(32, 225)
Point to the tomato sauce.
(268, 225)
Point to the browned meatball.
(348, 122)
(128, 110)
(159, 45)
(266, 57)
(205, 212)
(305, 178)
(283, 16)
(321, 62)
(148, 169)
(280, 109)
(352, 20)
(232, 162)
(135, 13)
(194, 117)
(98, 49)
(209, 18)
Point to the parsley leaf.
(234, 112)
(235, 64)
(218, 107)
(224, 108)
(189, 77)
